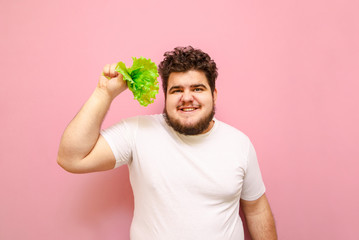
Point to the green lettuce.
(141, 79)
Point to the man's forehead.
(187, 79)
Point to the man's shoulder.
(141, 121)
(231, 131)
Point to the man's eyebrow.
(192, 86)
(198, 85)
(175, 87)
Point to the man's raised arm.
(82, 148)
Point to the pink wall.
(288, 78)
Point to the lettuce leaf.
(141, 79)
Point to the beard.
(193, 129)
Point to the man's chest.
(208, 170)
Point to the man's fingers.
(106, 70)
(109, 70)
(113, 73)
(102, 83)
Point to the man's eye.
(198, 89)
(176, 91)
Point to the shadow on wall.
(105, 204)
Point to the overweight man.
(190, 172)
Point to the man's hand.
(111, 82)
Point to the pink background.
(288, 78)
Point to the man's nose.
(187, 96)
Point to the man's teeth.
(188, 109)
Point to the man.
(189, 171)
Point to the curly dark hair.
(183, 59)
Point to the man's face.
(189, 103)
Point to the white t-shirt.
(186, 187)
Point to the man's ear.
(215, 96)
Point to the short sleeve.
(253, 186)
(121, 137)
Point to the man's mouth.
(187, 109)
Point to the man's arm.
(82, 149)
(259, 219)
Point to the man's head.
(183, 59)
(188, 81)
